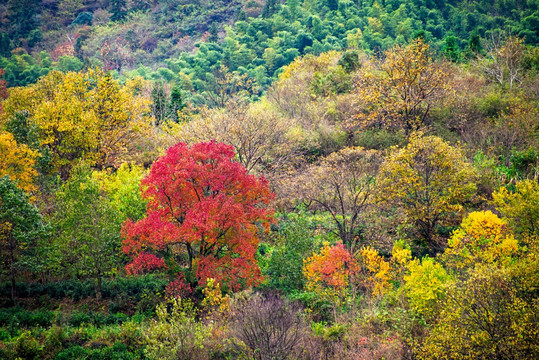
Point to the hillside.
(306, 180)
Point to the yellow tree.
(398, 91)
(424, 285)
(78, 115)
(17, 162)
(429, 180)
(521, 207)
(482, 238)
(492, 314)
(376, 272)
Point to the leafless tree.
(269, 327)
(503, 61)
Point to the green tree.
(176, 103)
(122, 187)
(299, 236)
(87, 227)
(177, 334)
(117, 8)
(451, 48)
(21, 226)
(22, 15)
(270, 8)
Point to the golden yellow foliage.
(398, 91)
(214, 299)
(487, 316)
(17, 162)
(377, 271)
(482, 238)
(79, 115)
(316, 63)
(429, 180)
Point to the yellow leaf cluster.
(481, 238)
(521, 207)
(17, 162)
(397, 92)
(316, 63)
(214, 299)
(425, 285)
(79, 115)
(430, 180)
(377, 271)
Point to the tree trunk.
(12, 270)
(98, 287)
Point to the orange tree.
(328, 273)
(18, 162)
(203, 218)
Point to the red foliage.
(3, 89)
(178, 288)
(145, 262)
(204, 211)
(3, 86)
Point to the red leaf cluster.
(205, 211)
(178, 288)
(145, 262)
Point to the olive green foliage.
(297, 237)
(88, 229)
(520, 206)
(176, 333)
(430, 180)
(487, 316)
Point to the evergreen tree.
(159, 102)
(22, 15)
(5, 44)
(474, 44)
(117, 8)
(176, 103)
(214, 33)
(269, 8)
(450, 48)
(333, 5)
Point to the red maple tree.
(203, 218)
(3, 89)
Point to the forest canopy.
(264, 179)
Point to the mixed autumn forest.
(269, 179)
